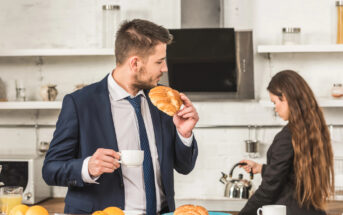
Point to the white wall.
(72, 24)
(317, 21)
(77, 24)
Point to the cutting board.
(210, 213)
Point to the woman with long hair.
(299, 171)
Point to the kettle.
(237, 188)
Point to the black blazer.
(85, 124)
(278, 179)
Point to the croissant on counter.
(190, 210)
(166, 99)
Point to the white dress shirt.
(127, 133)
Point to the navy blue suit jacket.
(84, 125)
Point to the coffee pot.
(237, 188)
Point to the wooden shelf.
(55, 52)
(299, 48)
(30, 105)
(323, 102)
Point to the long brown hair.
(313, 157)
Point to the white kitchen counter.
(214, 203)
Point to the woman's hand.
(251, 166)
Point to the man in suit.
(115, 114)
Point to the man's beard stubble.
(142, 84)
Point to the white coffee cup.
(131, 158)
(272, 210)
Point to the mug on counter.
(272, 210)
(131, 158)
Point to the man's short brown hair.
(139, 37)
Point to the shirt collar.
(116, 91)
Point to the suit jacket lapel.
(105, 113)
(156, 121)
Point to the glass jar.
(110, 23)
(3, 93)
(252, 148)
(337, 90)
(10, 196)
(339, 5)
(291, 36)
(20, 91)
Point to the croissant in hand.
(166, 99)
